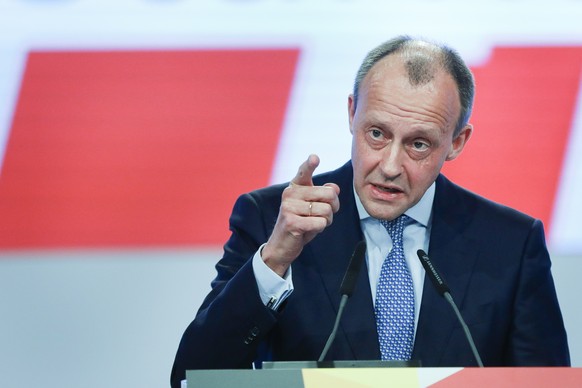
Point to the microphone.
(346, 290)
(444, 291)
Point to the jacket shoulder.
(450, 195)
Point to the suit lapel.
(450, 251)
(332, 250)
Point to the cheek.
(425, 171)
(358, 149)
(367, 158)
(363, 159)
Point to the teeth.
(387, 189)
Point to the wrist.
(273, 261)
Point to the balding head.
(423, 60)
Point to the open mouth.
(391, 190)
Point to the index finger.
(304, 175)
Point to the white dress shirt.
(416, 236)
(274, 289)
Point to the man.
(276, 293)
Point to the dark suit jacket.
(493, 258)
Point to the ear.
(351, 111)
(459, 142)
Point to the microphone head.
(444, 291)
(434, 276)
(351, 276)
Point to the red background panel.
(524, 107)
(139, 148)
(151, 148)
(512, 378)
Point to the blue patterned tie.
(395, 298)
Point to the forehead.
(415, 69)
(389, 86)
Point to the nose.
(391, 162)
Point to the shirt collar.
(420, 212)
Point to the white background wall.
(110, 319)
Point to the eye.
(376, 134)
(420, 145)
(375, 137)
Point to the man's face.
(402, 135)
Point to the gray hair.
(423, 60)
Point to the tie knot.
(396, 226)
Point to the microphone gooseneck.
(444, 291)
(346, 290)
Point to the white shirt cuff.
(273, 288)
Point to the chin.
(383, 211)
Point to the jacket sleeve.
(538, 336)
(232, 320)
